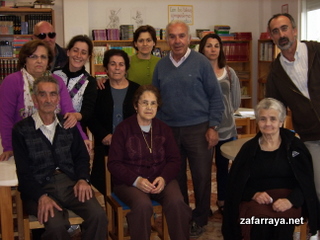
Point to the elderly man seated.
(53, 168)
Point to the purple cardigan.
(11, 103)
(129, 156)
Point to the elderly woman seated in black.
(271, 178)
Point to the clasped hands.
(155, 187)
(82, 190)
(281, 205)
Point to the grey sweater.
(190, 93)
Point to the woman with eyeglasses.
(81, 85)
(15, 93)
(144, 161)
(114, 103)
(44, 31)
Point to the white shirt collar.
(177, 64)
(39, 123)
(296, 54)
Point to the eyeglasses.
(147, 104)
(35, 57)
(44, 35)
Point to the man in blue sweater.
(53, 168)
(192, 107)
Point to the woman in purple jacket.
(15, 93)
(144, 161)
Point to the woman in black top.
(114, 104)
(271, 178)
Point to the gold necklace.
(149, 147)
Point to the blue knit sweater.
(190, 93)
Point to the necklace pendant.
(150, 150)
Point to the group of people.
(48, 105)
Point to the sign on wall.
(181, 12)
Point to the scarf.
(28, 81)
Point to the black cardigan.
(100, 124)
(301, 165)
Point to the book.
(99, 34)
(98, 54)
(39, 5)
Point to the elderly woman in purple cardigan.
(144, 161)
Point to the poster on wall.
(285, 8)
(181, 12)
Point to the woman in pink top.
(15, 93)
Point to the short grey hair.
(47, 78)
(275, 16)
(271, 103)
(177, 22)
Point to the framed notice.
(285, 8)
(181, 12)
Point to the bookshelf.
(238, 54)
(267, 52)
(17, 31)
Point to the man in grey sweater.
(192, 107)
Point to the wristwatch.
(214, 128)
(87, 180)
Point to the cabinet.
(238, 54)
(267, 53)
(16, 28)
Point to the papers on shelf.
(244, 112)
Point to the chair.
(243, 124)
(303, 229)
(117, 210)
(30, 222)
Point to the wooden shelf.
(24, 10)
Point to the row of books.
(266, 51)
(10, 24)
(221, 29)
(236, 51)
(33, 19)
(13, 24)
(7, 3)
(124, 33)
(10, 46)
(106, 34)
(7, 66)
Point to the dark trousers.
(194, 148)
(98, 172)
(177, 212)
(61, 190)
(268, 232)
(222, 173)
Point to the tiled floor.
(213, 229)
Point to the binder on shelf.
(99, 34)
